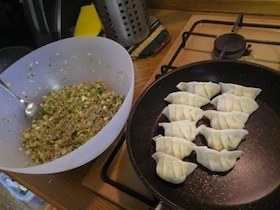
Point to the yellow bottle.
(88, 23)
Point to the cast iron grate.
(107, 179)
(221, 53)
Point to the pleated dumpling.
(176, 112)
(182, 129)
(172, 169)
(222, 139)
(177, 147)
(240, 90)
(204, 89)
(186, 98)
(229, 102)
(215, 161)
(226, 120)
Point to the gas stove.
(231, 37)
(204, 37)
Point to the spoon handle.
(3, 85)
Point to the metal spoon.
(31, 109)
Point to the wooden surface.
(65, 190)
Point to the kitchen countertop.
(65, 190)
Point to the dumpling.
(176, 112)
(185, 98)
(240, 90)
(222, 139)
(204, 89)
(183, 129)
(172, 169)
(226, 120)
(177, 147)
(229, 102)
(217, 161)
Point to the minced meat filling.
(71, 117)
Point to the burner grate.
(107, 179)
(222, 52)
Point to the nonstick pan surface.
(254, 182)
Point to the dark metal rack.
(237, 24)
(107, 179)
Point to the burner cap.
(229, 46)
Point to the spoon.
(31, 109)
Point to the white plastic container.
(18, 191)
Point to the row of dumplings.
(234, 106)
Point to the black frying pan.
(254, 181)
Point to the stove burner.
(230, 46)
(227, 46)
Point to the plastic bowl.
(52, 67)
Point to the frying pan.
(254, 182)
